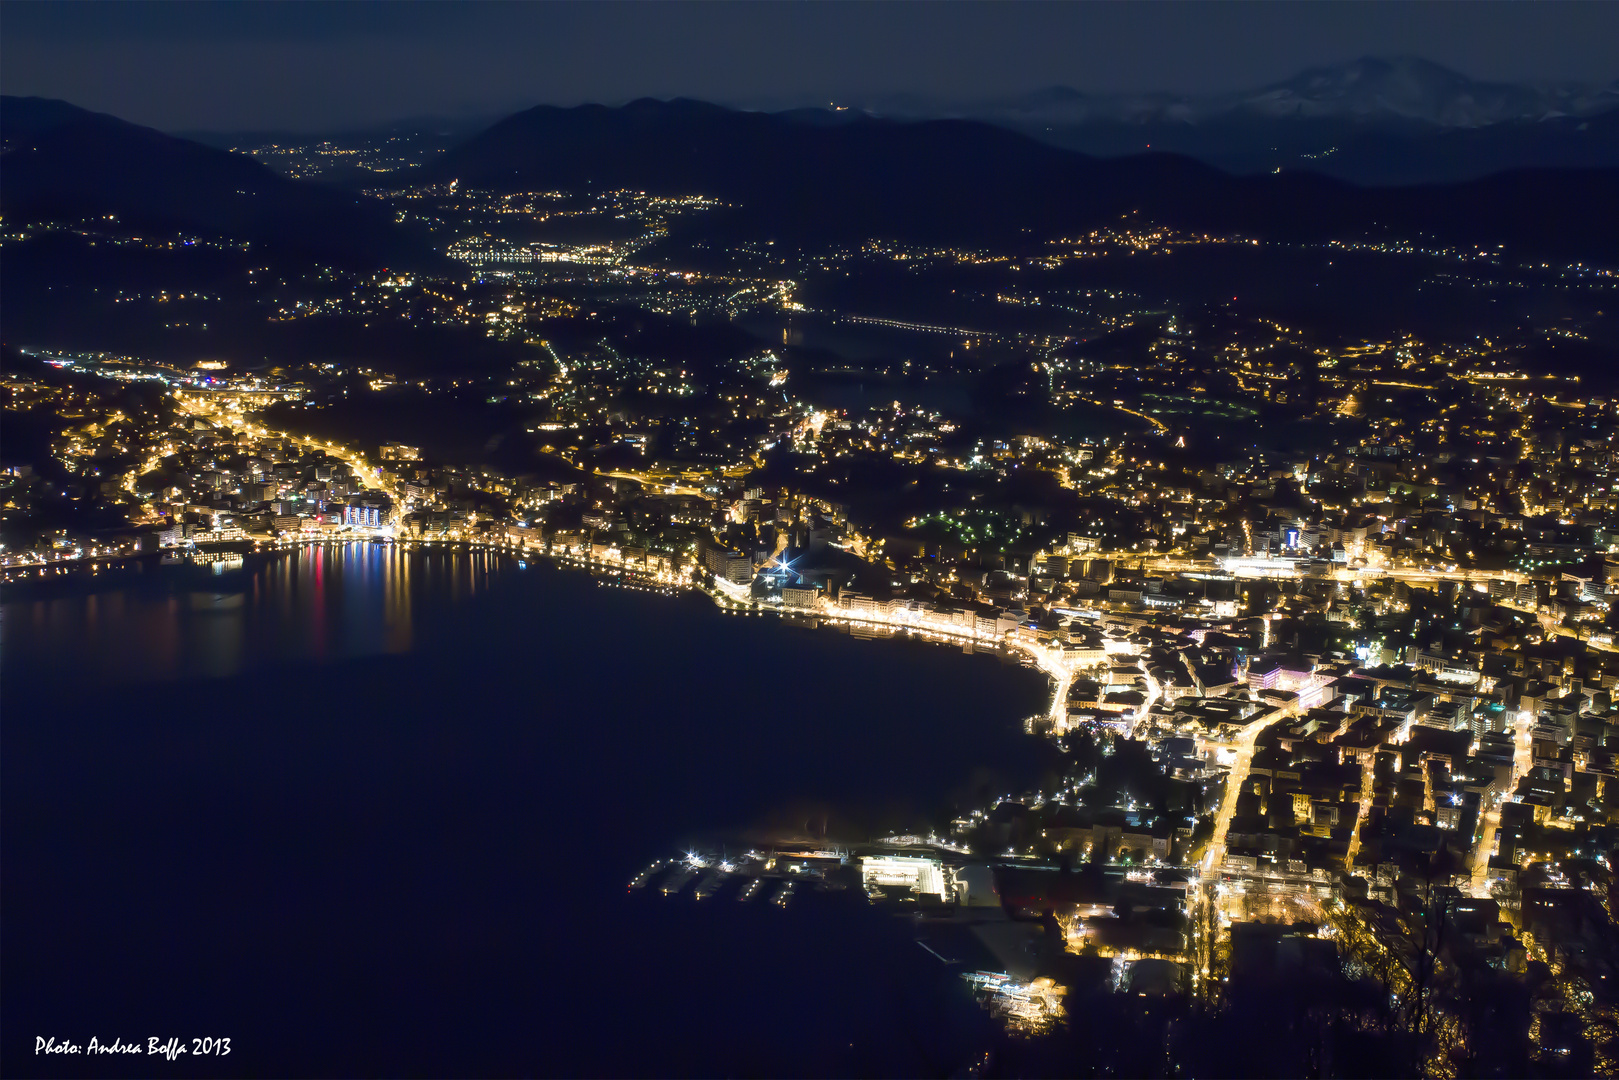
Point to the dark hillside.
(64, 163)
(959, 181)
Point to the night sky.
(225, 66)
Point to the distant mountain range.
(64, 162)
(812, 176)
(1374, 121)
(1377, 121)
(1403, 89)
(818, 175)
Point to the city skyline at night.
(993, 540)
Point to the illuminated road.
(659, 481)
(1154, 692)
(1522, 758)
(1256, 568)
(1234, 781)
(1050, 662)
(1047, 659)
(1367, 771)
(1157, 424)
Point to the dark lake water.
(369, 811)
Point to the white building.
(919, 873)
(802, 597)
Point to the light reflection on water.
(416, 804)
(874, 728)
(316, 603)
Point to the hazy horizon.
(327, 67)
